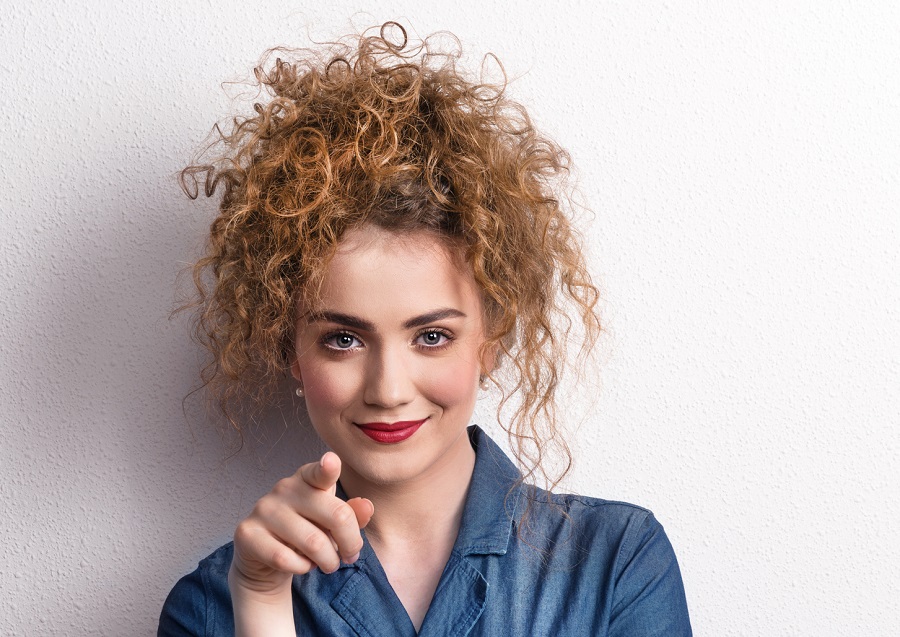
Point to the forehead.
(375, 269)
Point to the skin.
(398, 339)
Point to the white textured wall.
(743, 163)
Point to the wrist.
(261, 611)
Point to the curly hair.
(370, 130)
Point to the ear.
(490, 358)
(295, 369)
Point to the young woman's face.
(390, 367)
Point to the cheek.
(451, 383)
(327, 389)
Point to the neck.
(425, 510)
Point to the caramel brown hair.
(373, 130)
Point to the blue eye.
(341, 341)
(433, 338)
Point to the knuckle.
(283, 487)
(315, 542)
(343, 515)
(266, 507)
(283, 559)
(244, 532)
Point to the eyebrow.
(361, 324)
(431, 317)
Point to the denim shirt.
(525, 562)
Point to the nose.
(389, 380)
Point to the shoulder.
(634, 544)
(625, 547)
(219, 561)
(200, 603)
(589, 514)
(588, 505)
(626, 531)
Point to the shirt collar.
(492, 502)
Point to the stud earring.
(299, 392)
(482, 382)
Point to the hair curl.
(373, 131)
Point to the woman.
(393, 235)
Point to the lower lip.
(394, 436)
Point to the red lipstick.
(390, 433)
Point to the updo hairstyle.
(375, 130)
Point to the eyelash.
(326, 342)
(341, 351)
(448, 339)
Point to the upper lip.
(390, 426)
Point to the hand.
(299, 525)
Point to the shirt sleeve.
(184, 612)
(648, 598)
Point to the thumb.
(364, 510)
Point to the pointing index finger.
(323, 474)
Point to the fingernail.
(351, 560)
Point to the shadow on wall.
(120, 491)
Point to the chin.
(387, 465)
(386, 468)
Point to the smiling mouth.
(390, 432)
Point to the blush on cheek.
(320, 390)
(327, 389)
(452, 383)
